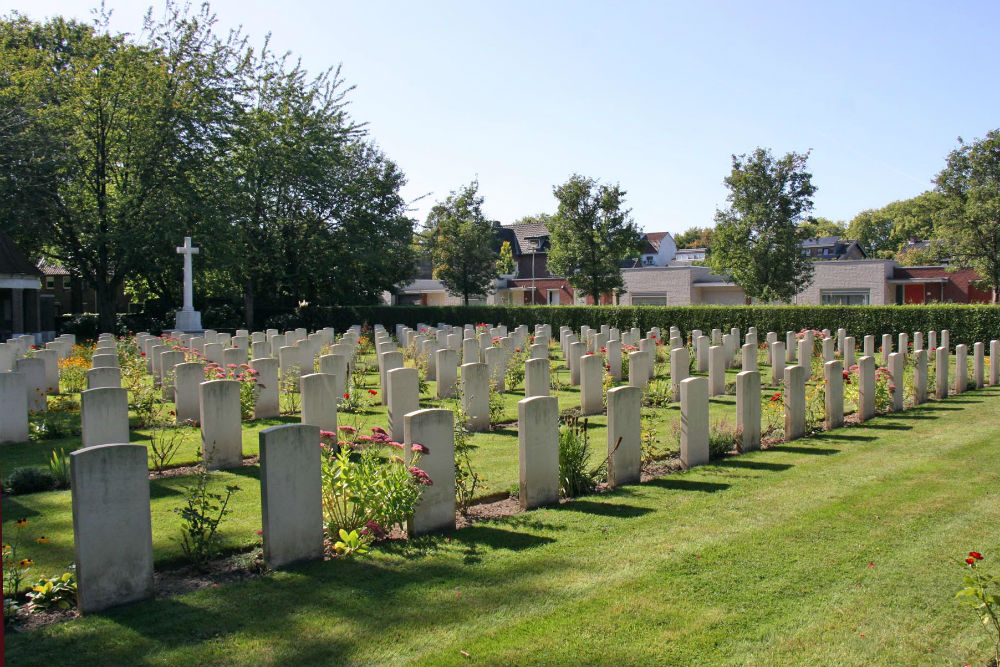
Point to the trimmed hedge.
(967, 323)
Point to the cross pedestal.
(188, 319)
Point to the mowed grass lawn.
(841, 549)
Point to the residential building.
(833, 248)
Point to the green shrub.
(31, 479)
(967, 323)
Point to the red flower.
(776, 397)
(417, 447)
(347, 395)
(373, 392)
(347, 429)
(142, 354)
(976, 555)
(970, 561)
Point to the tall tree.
(884, 231)
(128, 131)
(970, 183)
(590, 234)
(695, 237)
(813, 228)
(463, 243)
(757, 237)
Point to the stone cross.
(187, 250)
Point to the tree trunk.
(465, 298)
(248, 295)
(105, 298)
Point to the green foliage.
(695, 237)
(59, 467)
(723, 437)
(368, 490)
(515, 369)
(970, 228)
(351, 543)
(15, 565)
(467, 480)
(497, 406)
(31, 479)
(201, 514)
(461, 242)
(575, 479)
(505, 263)
(54, 592)
(812, 228)
(590, 233)
(967, 323)
(60, 419)
(883, 232)
(982, 593)
(164, 441)
(757, 237)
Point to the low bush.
(31, 479)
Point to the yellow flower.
(42, 540)
(6, 548)
(25, 563)
(21, 523)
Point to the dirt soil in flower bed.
(180, 471)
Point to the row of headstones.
(26, 382)
(114, 571)
(110, 490)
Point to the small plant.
(467, 480)
(146, 404)
(650, 444)
(56, 592)
(31, 479)
(358, 401)
(59, 467)
(367, 490)
(496, 404)
(658, 394)
(772, 413)
(164, 441)
(982, 593)
(351, 543)
(15, 564)
(815, 406)
(73, 374)
(574, 454)
(288, 386)
(201, 515)
(515, 369)
(556, 383)
(723, 437)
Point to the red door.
(913, 293)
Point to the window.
(50, 282)
(649, 299)
(649, 260)
(858, 297)
(826, 251)
(552, 297)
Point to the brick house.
(23, 307)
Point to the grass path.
(841, 549)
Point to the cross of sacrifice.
(187, 250)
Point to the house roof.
(13, 261)
(50, 268)
(423, 285)
(838, 245)
(523, 232)
(652, 242)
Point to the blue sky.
(655, 96)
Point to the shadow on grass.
(889, 427)
(498, 538)
(253, 472)
(836, 436)
(598, 508)
(686, 484)
(939, 407)
(13, 509)
(157, 489)
(819, 451)
(755, 465)
(505, 431)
